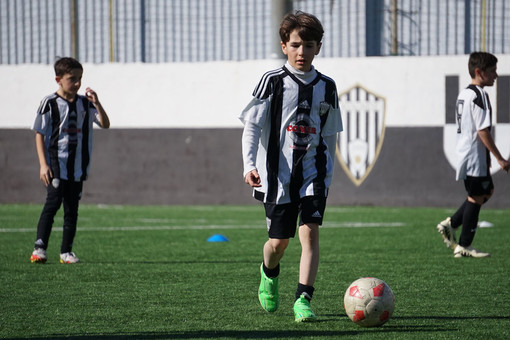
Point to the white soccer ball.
(369, 302)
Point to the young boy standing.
(474, 145)
(63, 139)
(289, 144)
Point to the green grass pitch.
(148, 272)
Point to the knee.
(480, 200)
(278, 245)
(52, 205)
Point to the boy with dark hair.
(63, 139)
(289, 144)
(474, 145)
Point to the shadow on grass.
(254, 334)
(256, 264)
(452, 318)
(230, 334)
(394, 330)
(432, 317)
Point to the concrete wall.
(176, 138)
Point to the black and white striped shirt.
(288, 124)
(474, 113)
(67, 130)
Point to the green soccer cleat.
(268, 292)
(302, 310)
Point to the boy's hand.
(504, 164)
(46, 175)
(253, 179)
(91, 95)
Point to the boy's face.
(487, 77)
(300, 53)
(69, 83)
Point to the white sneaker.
(69, 258)
(461, 251)
(38, 256)
(447, 233)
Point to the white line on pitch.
(210, 227)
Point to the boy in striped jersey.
(474, 145)
(63, 138)
(289, 144)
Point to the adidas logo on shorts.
(317, 214)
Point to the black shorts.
(478, 186)
(281, 218)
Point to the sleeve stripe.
(44, 104)
(261, 88)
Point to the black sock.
(456, 219)
(469, 223)
(306, 290)
(271, 273)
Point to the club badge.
(359, 145)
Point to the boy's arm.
(488, 141)
(103, 117)
(250, 140)
(45, 173)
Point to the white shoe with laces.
(38, 256)
(461, 251)
(69, 258)
(447, 233)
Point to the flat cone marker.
(217, 238)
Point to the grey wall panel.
(203, 166)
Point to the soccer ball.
(369, 302)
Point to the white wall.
(199, 95)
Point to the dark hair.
(308, 26)
(66, 65)
(482, 61)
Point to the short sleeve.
(481, 116)
(333, 123)
(42, 119)
(255, 112)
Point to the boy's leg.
(45, 224)
(281, 223)
(311, 215)
(469, 226)
(470, 223)
(273, 252)
(448, 227)
(456, 219)
(72, 194)
(312, 212)
(309, 264)
(479, 190)
(269, 271)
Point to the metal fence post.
(74, 30)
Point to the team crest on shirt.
(361, 141)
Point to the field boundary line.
(210, 227)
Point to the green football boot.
(268, 292)
(302, 310)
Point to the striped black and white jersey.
(473, 113)
(67, 130)
(288, 124)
